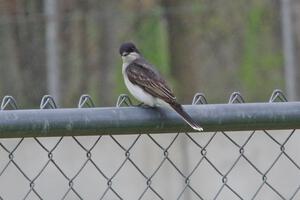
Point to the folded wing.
(150, 80)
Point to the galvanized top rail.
(134, 120)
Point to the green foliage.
(261, 63)
(151, 38)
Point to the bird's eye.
(125, 53)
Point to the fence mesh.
(211, 165)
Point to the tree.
(53, 49)
(109, 46)
(182, 36)
(28, 44)
(295, 26)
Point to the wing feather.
(150, 80)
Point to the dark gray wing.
(142, 74)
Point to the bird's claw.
(142, 105)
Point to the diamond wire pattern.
(48, 102)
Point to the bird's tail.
(178, 108)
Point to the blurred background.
(69, 47)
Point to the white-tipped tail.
(178, 108)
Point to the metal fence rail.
(125, 160)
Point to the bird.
(147, 85)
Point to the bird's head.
(129, 52)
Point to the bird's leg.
(140, 104)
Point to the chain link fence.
(259, 164)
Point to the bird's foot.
(142, 105)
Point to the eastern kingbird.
(146, 84)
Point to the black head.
(127, 48)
